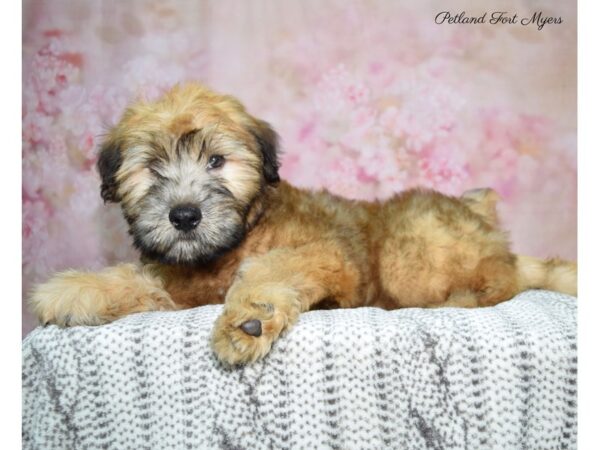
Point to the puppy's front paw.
(68, 299)
(252, 319)
(78, 298)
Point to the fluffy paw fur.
(253, 318)
(79, 298)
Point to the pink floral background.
(369, 97)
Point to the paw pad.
(252, 327)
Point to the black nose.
(185, 218)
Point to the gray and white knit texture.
(490, 378)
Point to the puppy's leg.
(93, 298)
(271, 291)
(500, 278)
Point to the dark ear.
(109, 161)
(268, 142)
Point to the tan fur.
(302, 249)
(554, 274)
(74, 298)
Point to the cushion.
(497, 377)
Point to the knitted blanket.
(499, 377)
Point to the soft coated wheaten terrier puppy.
(196, 177)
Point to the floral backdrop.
(369, 98)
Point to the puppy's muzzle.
(185, 218)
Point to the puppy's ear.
(109, 161)
(268, 143)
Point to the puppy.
(197, 180)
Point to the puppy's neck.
(259, 206)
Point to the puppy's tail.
(552, 274)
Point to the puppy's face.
(186, 170)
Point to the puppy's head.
(186, 170)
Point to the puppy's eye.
(215, 161)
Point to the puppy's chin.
(192, 250)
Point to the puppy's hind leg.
(93, 298)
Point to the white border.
(588, 221)
(10, 223)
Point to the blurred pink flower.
(443, 174)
